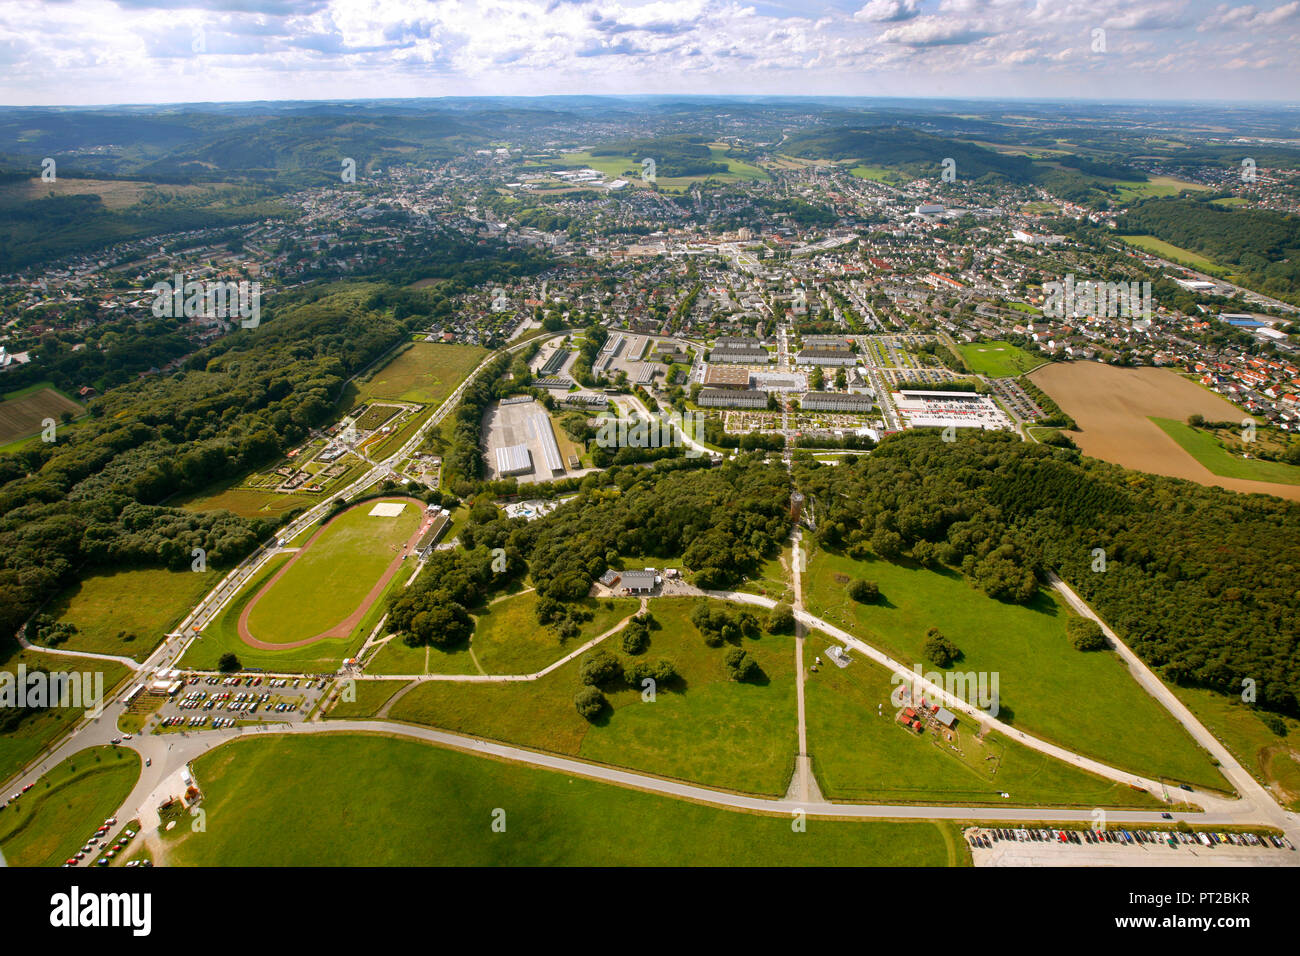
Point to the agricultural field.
(245, 502)
(997, 359)
(1114, 408)
(1087, 702)
(862, 754)
(879, 174)
(680, 734)
(1210, 452)
(20, 743)
(22, 412)
(362, 785)
(508, 639)
(50, 822)
(332, 575)
(127, 613)
(114, 193)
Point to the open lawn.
(862, 754)
(23, 741)
(222, 635)
(1174, 253)
(706, 728)
(427, 372)
(997, 359)
(371, 695)
(333, 573)
(394, 657)
(508, 639)
(23, 413)
(1206, 449)
(773, 578)
(51, 822)
(127, 613)
(246, 502)
(1131, 190)
(1272, 758)
(879, 174)
(1087, 702)
(363, 786)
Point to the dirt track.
(1112, 405)
(349, 623)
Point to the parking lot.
(215, 702)
(1044, 847)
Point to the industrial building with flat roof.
(731, 398)
(715, 377)
(546, 435)
(837, 402)
(513, 460)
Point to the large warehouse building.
(513, 460)
(546, 435)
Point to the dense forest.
(1199, 581)
(94, 497)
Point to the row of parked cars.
(986, 838)
(256, 681)
(15, 797)
(108, 850)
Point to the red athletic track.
(348, 624)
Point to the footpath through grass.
(24, 740)
(50, 822)
(353, 803)
(861, 753)
(706, 728)
(1087, 702)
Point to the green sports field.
(997, 359)
(427, 372)
(1206, 449)
(221, 636)
(360, 800)
(51, 821)
(333, 574)
(708, 729)
(1087, 702)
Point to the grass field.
(879, 174)
(114, 193)
(508, 640)
(371, 695)
(222, 636)
(22, 743)
(427, 372)
(1131, 190)
(396, 658)
(51, 822)
(629, 167)
(708, 729)
(1272, 758)
(1175, 253)
(245, 502)
(997, 359)
(127, 613)
(22, 412)
(366, 787)
(1086, 702)
(333, 575)
(1206, 449)
(862, 754)
(773, 578)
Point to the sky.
(79, 52)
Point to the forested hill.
(1263, 244)
(91, 498)
(1201, 582)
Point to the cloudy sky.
(150, 51)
